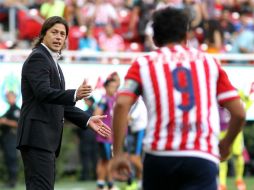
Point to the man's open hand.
(99, 127)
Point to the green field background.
(70, 184)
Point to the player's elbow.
(236, 109)
(120, 104)
(123, 102)
(240, 116)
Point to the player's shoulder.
(204, 56)
(147, 57)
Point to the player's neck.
(174, 44)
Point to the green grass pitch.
(70, 184)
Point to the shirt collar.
(55, 55)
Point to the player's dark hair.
(169, 25)
(49, 23)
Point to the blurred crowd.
(123, 25)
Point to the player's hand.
(225, 149)
(84, 91)
(121, 167)
(96, 124)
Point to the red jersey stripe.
(208, 138)
(171, 124)
(157, 100)
(198, 104)
(185, 118)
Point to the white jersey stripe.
(227, 95)
(148, 95)
(163, 101)
(203, 106)
(214, 114)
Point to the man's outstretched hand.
(98, 126)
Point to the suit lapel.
(61, 80)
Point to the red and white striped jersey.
(181, 88)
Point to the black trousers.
(179, 173)
(39, 168)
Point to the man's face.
(55, 37)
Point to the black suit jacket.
(45, 104)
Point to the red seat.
(3, 16)
(124, 17)
(27, 26)
(75, 33)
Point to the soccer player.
(105, 105)
(182, 88)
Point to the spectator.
(109, 41)
(195, 10)
(243, 41)
(88, 43)
(74, 12)
(141, 14)
(53, 8)
(213, 36)
(192, 40)
(105, 106)
(101, 13)
(226, 26)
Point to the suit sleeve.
(76, 116)
(37, 73)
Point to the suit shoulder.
(36, 54)
(37, 59)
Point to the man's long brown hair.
(50, 22)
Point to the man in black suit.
(45, 105)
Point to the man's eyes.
(61, 33)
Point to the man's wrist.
(87, 123)
(117, 151)
(75, 96)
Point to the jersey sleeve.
(225, 90)
(132, 84)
